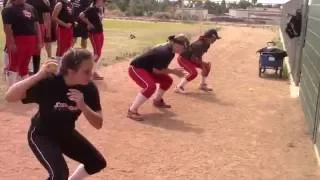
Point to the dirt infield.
(248, 129)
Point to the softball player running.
(52, 132)
(191, 59)
(92, 16)
(151, 68)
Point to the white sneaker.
(180, 90)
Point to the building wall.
(310, 75)
(201, 13)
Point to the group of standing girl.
(52, 132)
(29, 25)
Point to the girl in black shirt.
(52, 132)
(191, 59)
(151, 68)
(92, 16)
(62, 15)
(22, 37)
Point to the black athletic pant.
(50, 153)
(36, 63)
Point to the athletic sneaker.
(160, 104)
(205, 87)
(179, 90)
(134, 116)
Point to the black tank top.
(65, 14)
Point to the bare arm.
(17, 91)
(47, 23)
(94, 118)
(178, 72)
(9, 35)
(55, 15)
(83, 18)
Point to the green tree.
(244, 4)
(223, 6)
(259, 5)
(254, 2)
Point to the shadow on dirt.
(207, 97)
(166, 120)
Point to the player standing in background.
(92, 16)
(191, 59)
(53, 26)
(43, 11)
(23, 37)
(62, 15)
(81, 30)
(151, 68)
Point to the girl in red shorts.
(62, 15)
(22, 37)
(191, 59)
(151, 68)
(92, 16)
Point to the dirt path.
(249, 129)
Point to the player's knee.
(192, 75)
(167, 84)
(60, 173)
(96, 165)
(150, 90)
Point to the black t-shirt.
(79, 6)
(158, 57)
(65, 14)
(196, 50)
(21, 17)
(94, 15)
(57, 114)
(42, 6)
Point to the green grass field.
(118, 45)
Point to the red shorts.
(19, 60)
(97, 43)
(64, 40)
(190, 67)
(147, 80)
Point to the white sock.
(160, 94)
(30, 66)
(6, 59)
(79, 174)
(12, 77)
(203, 80)
(58, 59)
(183, 82)
(138, 101)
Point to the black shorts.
(49, 151)
(81, 31)
(53, 34)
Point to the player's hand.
(77, 97)
(178, 72)
(48, 68)
(12, 47)
(68, 25)
(90, 26)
